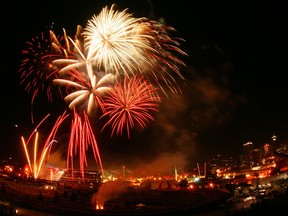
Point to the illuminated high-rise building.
(248, 151)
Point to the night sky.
(235, 87)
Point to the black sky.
(235, 92)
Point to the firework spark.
(165, 63)
(36, 167)
(129, 103)
(81, 137)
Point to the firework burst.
(130, 103)
(88, 93)
(36, 69)
(115, 41)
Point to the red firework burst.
(129, 103)
(36, 68)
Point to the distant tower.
(248, 153)
(176, 173)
